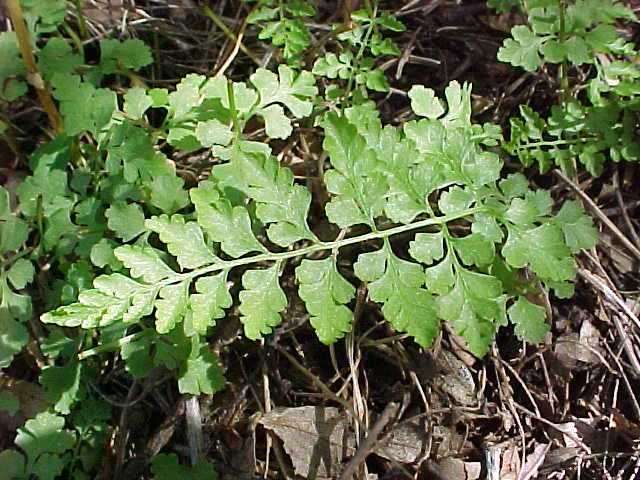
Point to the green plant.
(560, 31)
(378, 175)
(282, 22)
(578, 130)
(359, 46)
(130, 261)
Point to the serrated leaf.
(168, 193)
(474, 249)
(578, 229)
(522, 50)
(455, 200)
(277, 124)
(287, 88)
(12, 68)
(261, 302)
(136, 102)
(210, 301)
(427, 247)
(13, 233)
(281, 203)
(425, 103)
(230, 226)
(475, 307)
(201, 373)
(543, 249)
(126, 220)
(213, 132)
(57, 56)
(529, 320)
(116, 56)
(43, 434)
(171, 307)
(62, 385)
(184, 240)
(398, 285)
(13, 336)
(21, 273)
(115, 297)
(143, 262)
(325, 293)
(355, 180)
(102, 254)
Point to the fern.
(557, 33)
(433, 178)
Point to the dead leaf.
(534, 461)
(454, 468)
(510, 463)
(404, 444)
(315, 438)
(456, 379)
(583, 347)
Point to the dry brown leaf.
(534, 461)
(315, 438)
(404, 444)
(456, 379)
(454, 468)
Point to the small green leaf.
(427, 247)
(578, 229)
(44, 434)
(126, 220)
(168, 194)
(227, 225)
(102, 254)
(184, 240)
(398, 285)
(543, 249)
(425, 103)
(261, 302)
(522, 50)
(213, 132)
(143, 262)
(325, 293)
(201, 374)
(62, 385)
(21, 273)
(171, 307)
(277, 124)
(529, 320)
(136, 102)
(210, 301)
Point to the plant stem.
(34, 77)
(318, 247)
(115, 345)
(564, 76)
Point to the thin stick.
(24, 43)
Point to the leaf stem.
(318, 247)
